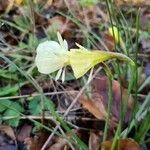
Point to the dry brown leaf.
(8, 131)
(94, 141)
(59, 145)
(24, 132)
(37, 142)
(7, 138)
(132, 2)
(95, 106)
(100, 86)
(123, 144)
(6, 5)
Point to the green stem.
(136, 62)
(108, 72)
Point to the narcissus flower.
(52, 56)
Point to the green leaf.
(13, 111)
(4, 104)
(47, 103)
(8, 75)
(9, 89)
(34, 106)
(87, 3)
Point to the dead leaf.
(24, 132)
(7, 138)
(132, 2)
(124, 144)
(95, 105)
(94, 141)
(6, 5)
(59, 145)
(37, 142)
(8, 131)
(100, 86)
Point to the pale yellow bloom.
(52, 56)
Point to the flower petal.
(82, 61)
(49, 46)
(48, 63)
(65, 45)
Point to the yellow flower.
(114, 32)
(52, 56)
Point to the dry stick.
(69, 118)
(36, 94)
(62, 132)
(69, 108)
(86, 19)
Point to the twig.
(36, 94)
(69, 118)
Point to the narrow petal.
(63, 75)
(58, 74)
(65, 45)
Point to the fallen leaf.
(97, 103)
(8, 131)
(94, 105)
(24, 132)
(6, 5)
(37, 141)
(60, 144)
(94, 141)
(7, 138)
(123, 144)
(132, 2)
(100, 86)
